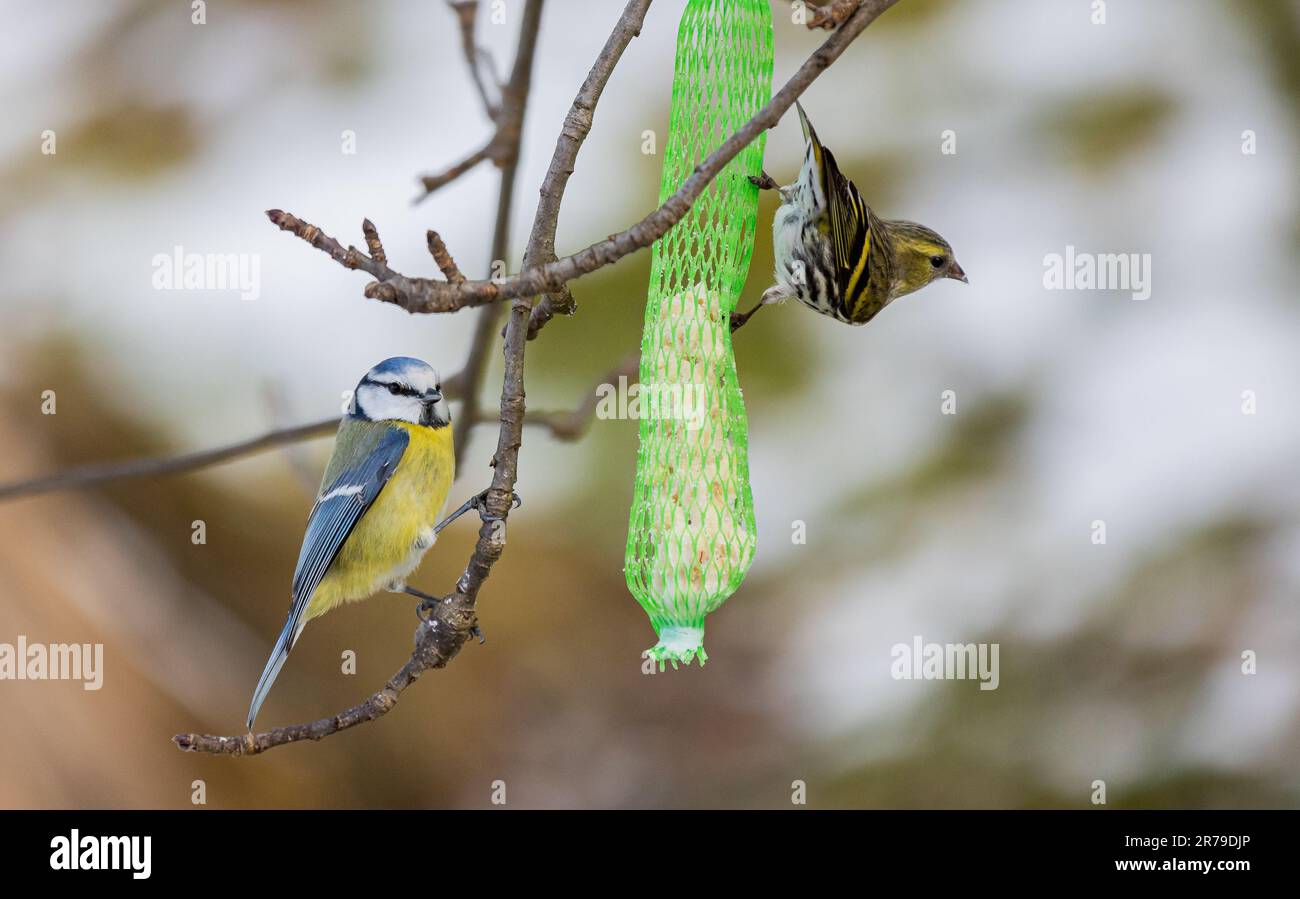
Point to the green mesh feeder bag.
(691, 533)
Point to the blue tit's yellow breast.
(390, 538)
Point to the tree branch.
(102, 472)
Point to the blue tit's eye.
(936, 261)
(394, 389)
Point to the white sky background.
(1137, 418)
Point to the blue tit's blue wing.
(364, 459)
(340, 506)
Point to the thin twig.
(451, 173)
(479, 61)
(99, 473)
(373, 243)
(350, 257)
(389, 286)
(442, 258)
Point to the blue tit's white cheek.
(376, 403)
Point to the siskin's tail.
(809, 135)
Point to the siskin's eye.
(936, 261)
(394, 389)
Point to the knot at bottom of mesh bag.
(678, 644)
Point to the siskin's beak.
(433, 396)
(955, 272)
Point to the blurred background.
(1120, 662)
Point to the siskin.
(835, 255)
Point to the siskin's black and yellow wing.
(846, 219)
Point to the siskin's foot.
(764, 182)
(738, 319)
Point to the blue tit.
(376, 513)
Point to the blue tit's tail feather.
(289, 636)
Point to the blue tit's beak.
(431, 416)
(955, 272)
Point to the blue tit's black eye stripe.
(394, 387)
